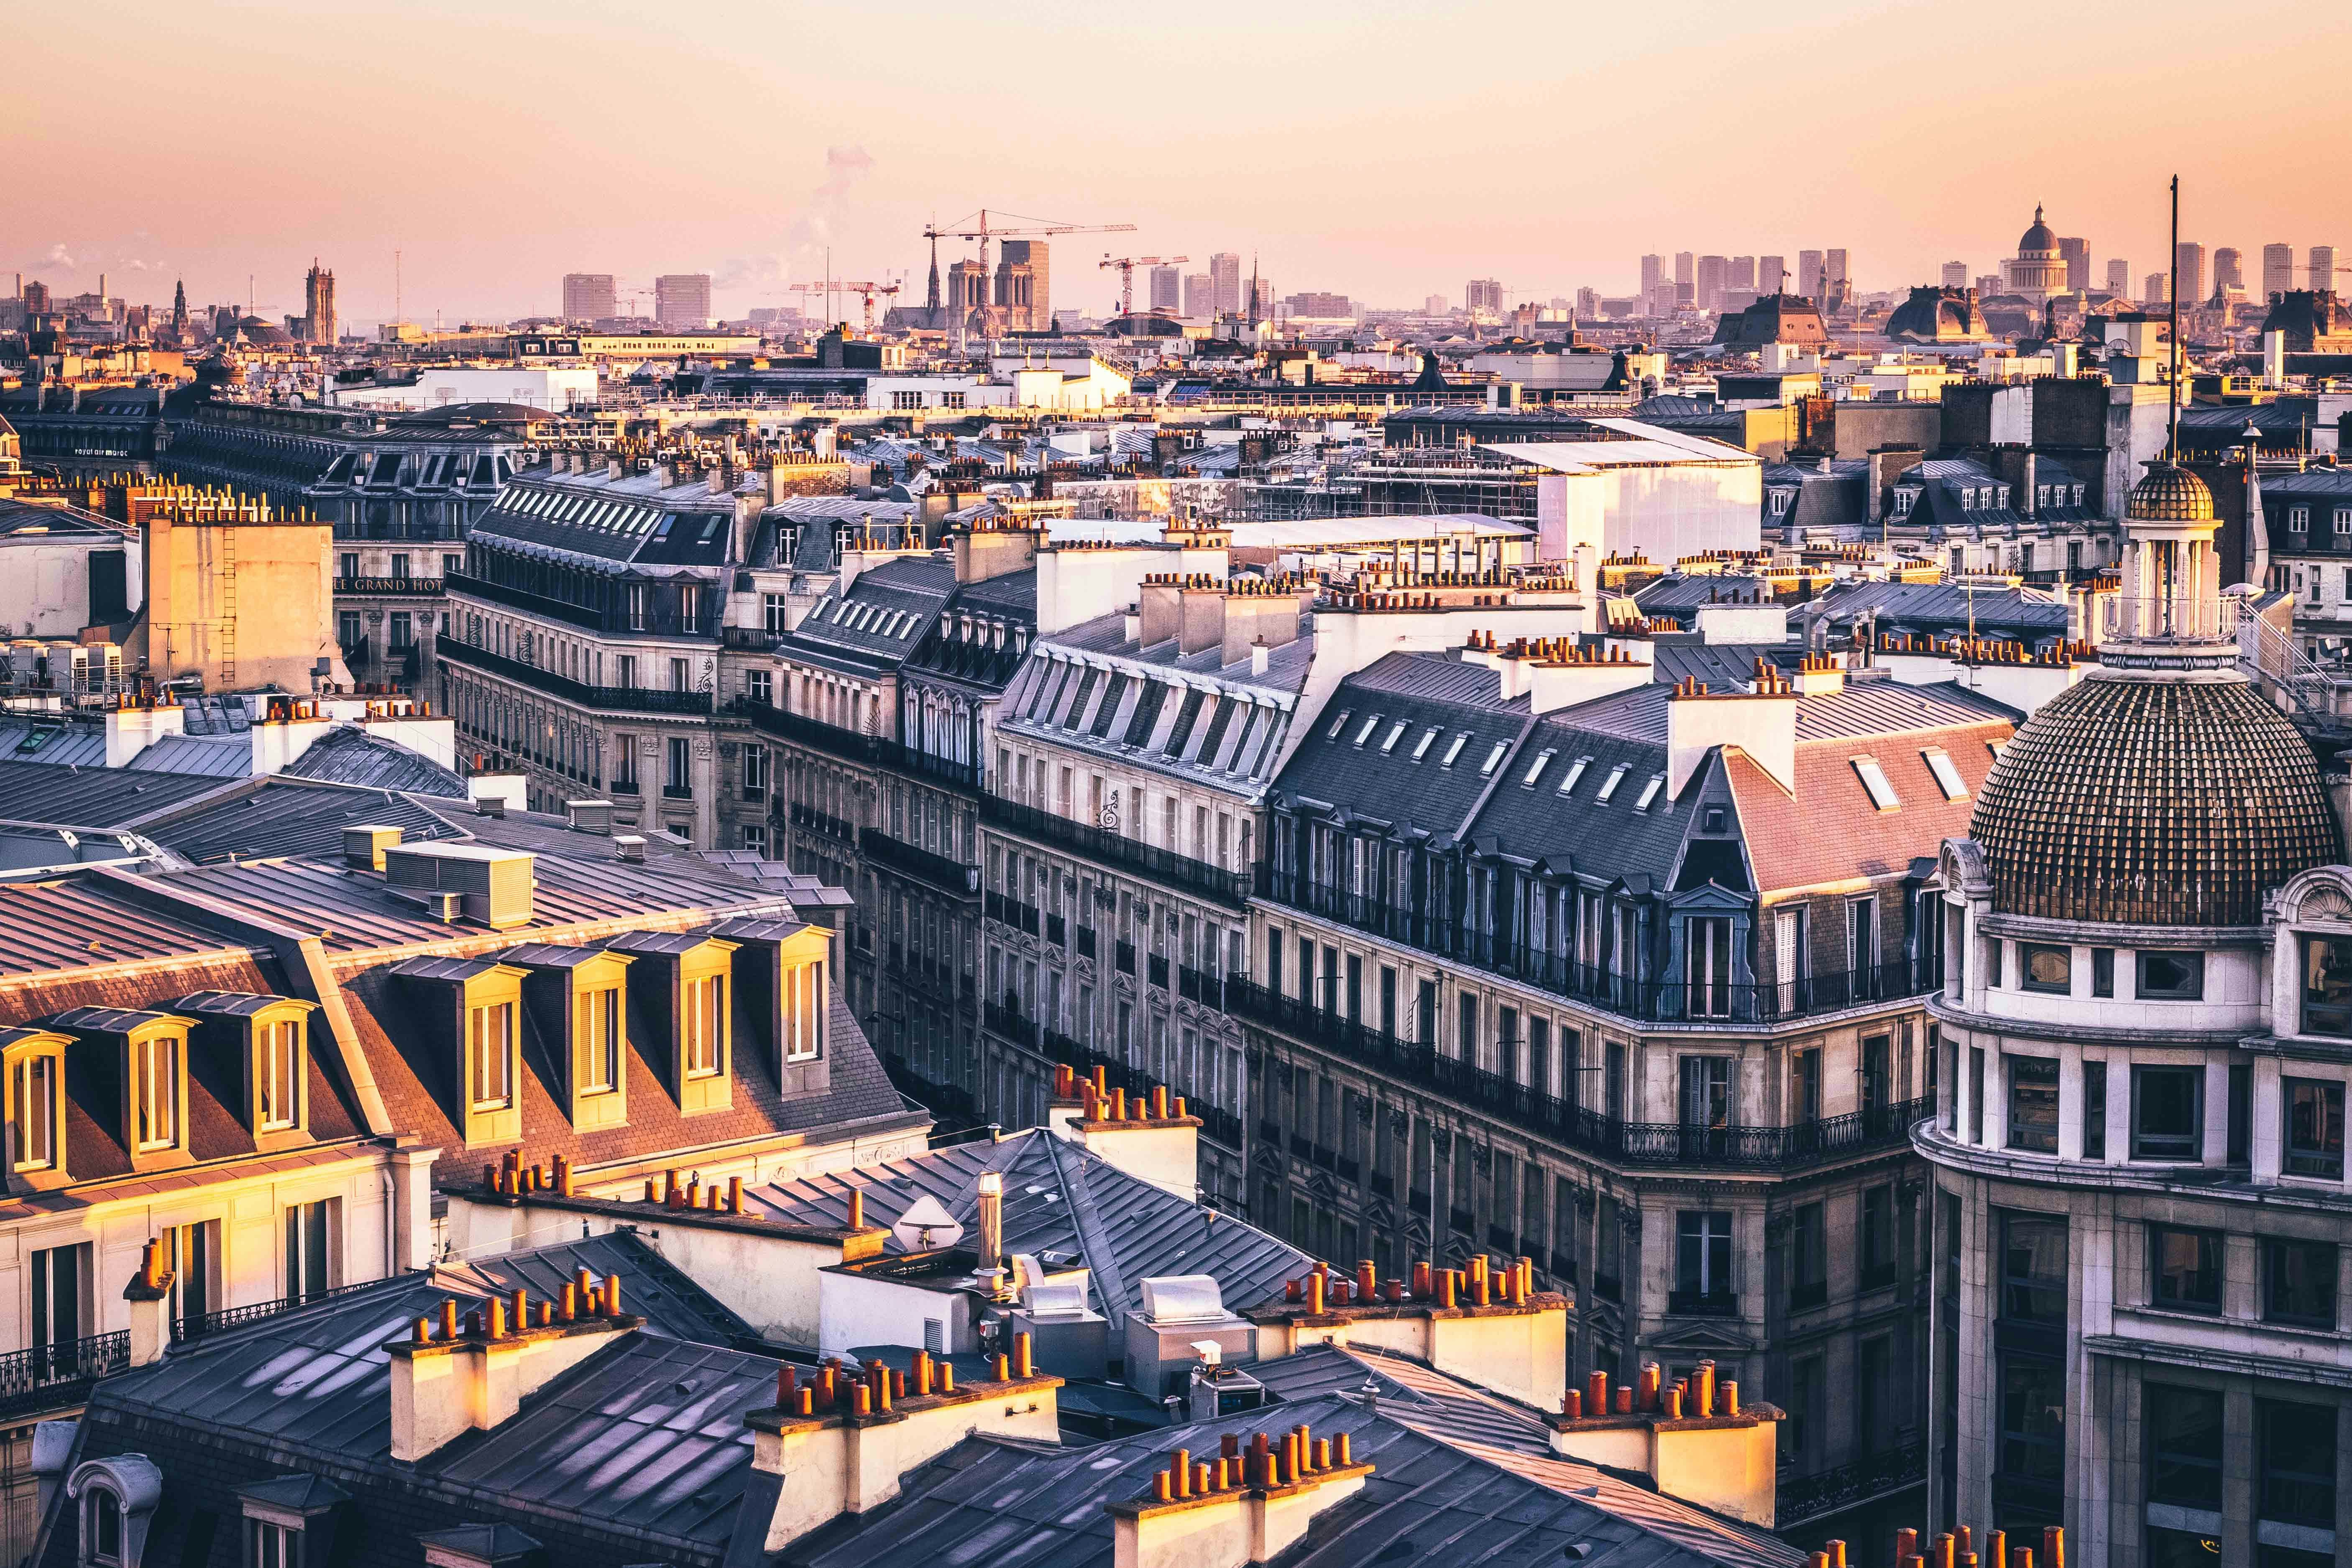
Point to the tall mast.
(2173, 431)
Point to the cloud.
(805, 238)
(845, 167)
(57, 256)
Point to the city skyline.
(491, 238)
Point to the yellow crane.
(1126, 266)
(843, 285)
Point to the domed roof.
(2168, 493)
(2167, 801)
(2038, 239)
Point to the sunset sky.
(1383, 150)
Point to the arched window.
(115, 1498)
(101, 1526)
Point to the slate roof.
(349, 755)
(279, 816)
(1379, 749)
(90, 797)
(1945, 608)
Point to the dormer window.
(580, 995)
(599, 1043)
(2298, 520)
(36, 1075)
(803, 1017)
(685, 996)
(490, 1050)
(279, 1080)
(1903, 499)
(703, 1023)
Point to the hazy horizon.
(1381, 151)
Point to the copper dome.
(2168, 493)
(2037, 240)
(2176, 803)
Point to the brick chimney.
(1762, 724)
(1487, 1325)
(451, 1376)
(1250, 1502)
(1694, 1440)
(1152, 1137)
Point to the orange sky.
(1383, 150)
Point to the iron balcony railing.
(1804, 1496)
(1629, 1142)
(1702, 1304)
(1649, 1000)
(852, 746)
(949, 876)
(817, 821)
(1102, 844)
(196, 1325)
(619, 699)
(52, 1377)
(659, 617)
(1008, 1022)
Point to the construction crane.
(841, 285)
(978, 227)
(1126, 266)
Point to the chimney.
(1160, 601)
(1695, 1440)
(1762, 724)
(449, 1378)
(1255, 620)
(991, 1220)
(589, 815)
(1250, 1502)
(1581, 675)
(1487, 1323)
(1819, 674)
(1152, 1139)
(364, 846)
(1201, 617)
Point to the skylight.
(1494, 759)
(1454, 750)
(1337, 724)
(1948, 776)
(1650, 792)
(1575, 772)
(1873, 779)
(1395, 733)
(1418, 751)
(1365, 733)
(1534, 769)
(1608, 784)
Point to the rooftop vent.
(495, 885)
(629, 846)
(590, 816)
(363, 845)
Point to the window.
(1608, 785)
(453, 566)
(2188, 1268)
(2299, 1282)
(1454, 750)
(1387, 741)
(32, 1109)
(2040, 968)
(2327, 985)
(490, 1041)
(101, 1527)
(1709, 961)
(2033, 1104)
(755, 773)
(1805, 1094)
(2167, 1113)
(1536, 768)
(704, 1025)
(2033, 1270)
(403, 630)
(760, 687)
(1707, 1092)
(155, 1091)
(2298, 520)
(679, 760)
(1703, 1257)
(804, 994)
(1430, 734)
(60, 1285)
(274, 1545)
(1365, 733)
(1947, 774)
(2172, 976)
(1873, 779)
(1878, 1261)
(309, 1237)
(2095, 1111)
(600, 1040)
(1575, 772)
(2184, 1446)
(350, 565)
(2296, 1484)
(2314, 1128)
(1338, 725)
(1808, 1276)
(2103, 971)
(280, 1074)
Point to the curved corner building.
(2142, 1222)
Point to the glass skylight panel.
(1337, 725)
(1873, 779)
(1947, 774)
(1535, 770)
(1454, 750)
(1422, 750)
(1395, 732)
(1608, 784)
(1365, 733)
(1494, 759)
(1650, 792)
(1575, 772)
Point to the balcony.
(820, 822)
(654, 620)
(1008, 1022)
(1648, 1001)
(1086, 942)
(613, 699)
(950, 877)
(678, 792)
(1102, 844)
(1625, 1142)
(389, 587)
(1702, 1304)
(1057, 931)
(1155, 968)
(196, 1325)
(875, 751)
(1803, 1498)
(1201, 985)
(1124, 951)
(55, 1377)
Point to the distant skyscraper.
(1683, 282)
(2156, 291)
(1809, 275)
(1167, 288)
(1707, 285)
(1588, 304)
(1772, 274)
(1653, 272)
(682, 300)
(2323, 270)
(2076, 252)
(1742, 274)
(2229, 269)
(1435, 305)
(2278, 270)
(1200, 295)
(1835, 279)
(2119, 278)
(590, 297)
(1483, 296)
(319, 304)
(1225, 280)
(2189, 260)
(1956, 274)
(1032, 254)
(1988, 284)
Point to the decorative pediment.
(1705, 1336)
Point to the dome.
(2038, 240)
(2168, 493)
(2165, 801)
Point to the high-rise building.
(1988, 284)
(1809, 275)
(1483, 296)
(1033, 254)
(590, 297)
(1588, 304)
(1435, 305)
(2189, 261)
(1684, 282)
(1200, 295)
(2322, 278)
(2119, 278)
(682, 300)
(1742, 274)
(318, 305)
(2278, 270)
(2156, 291)
(2228, 271)
(1956, 274)
(1653, 272)
(1707, 282)
(1772, 274)
(1225, 280)
(1836, 282)
(1167, 289)
(2076, 252)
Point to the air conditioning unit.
(494, 886)
(590, 816)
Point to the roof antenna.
(2172, 434)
